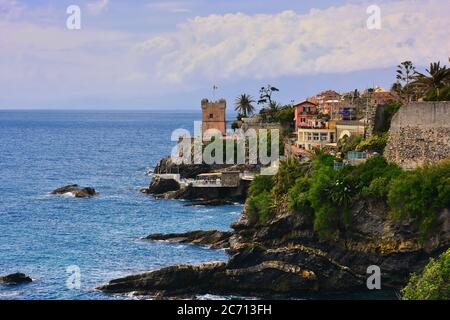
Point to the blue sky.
(168, 54)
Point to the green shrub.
(261, 184)
(378, 189)
(285, 116)
(298, 197)
(288, 172)
(259, 206)
(421, 194)
(347, 144)
(374, 178)
(326, 221)
(433, 283)
(320, 195)
(375, 143)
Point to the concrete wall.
(349, 128)
(419, 134)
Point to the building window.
(211, 116)
(323, 136)
(316, 136)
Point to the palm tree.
(244, 104)
(430, 85)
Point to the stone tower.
(213, 115)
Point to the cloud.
(333, 40)
(95, 8)
(169, 6)
(10, 9)
(50, 62)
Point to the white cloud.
(97, 7)
(50, 61)
(10, 9)
(169, 6)
(322, 41)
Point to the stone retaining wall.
(419, 134)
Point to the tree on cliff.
(405, 75)
(435, 86)
(265, 95)
(244, 105)
(433, 283)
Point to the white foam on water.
(69, 195)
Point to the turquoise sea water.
(41, 235)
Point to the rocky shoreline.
(169, 188)
(213, 239)
(284, 257)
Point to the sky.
(168, 55)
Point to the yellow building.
(317, 137)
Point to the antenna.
(215, 88)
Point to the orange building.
(330, 102)
(379, 96)
(213, 115)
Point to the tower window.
(211, 116)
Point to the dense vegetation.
(317, 190)
(421, 193)
(375, 143)
(433, 283)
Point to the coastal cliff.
(283, 256)
(314, 228)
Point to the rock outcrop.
(266, 278)
(214, 239)
(15, 278)
(284, 257)
(160, 186)
(213, 202)
(76, 190)
(208, 194)
(169, 188)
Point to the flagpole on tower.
(214, 92)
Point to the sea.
(71, 246)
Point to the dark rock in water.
(160, 186)
(15, 278)
(268, 278)
(229, 194)
(76, 190)
(215, 239)
(214, 202)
